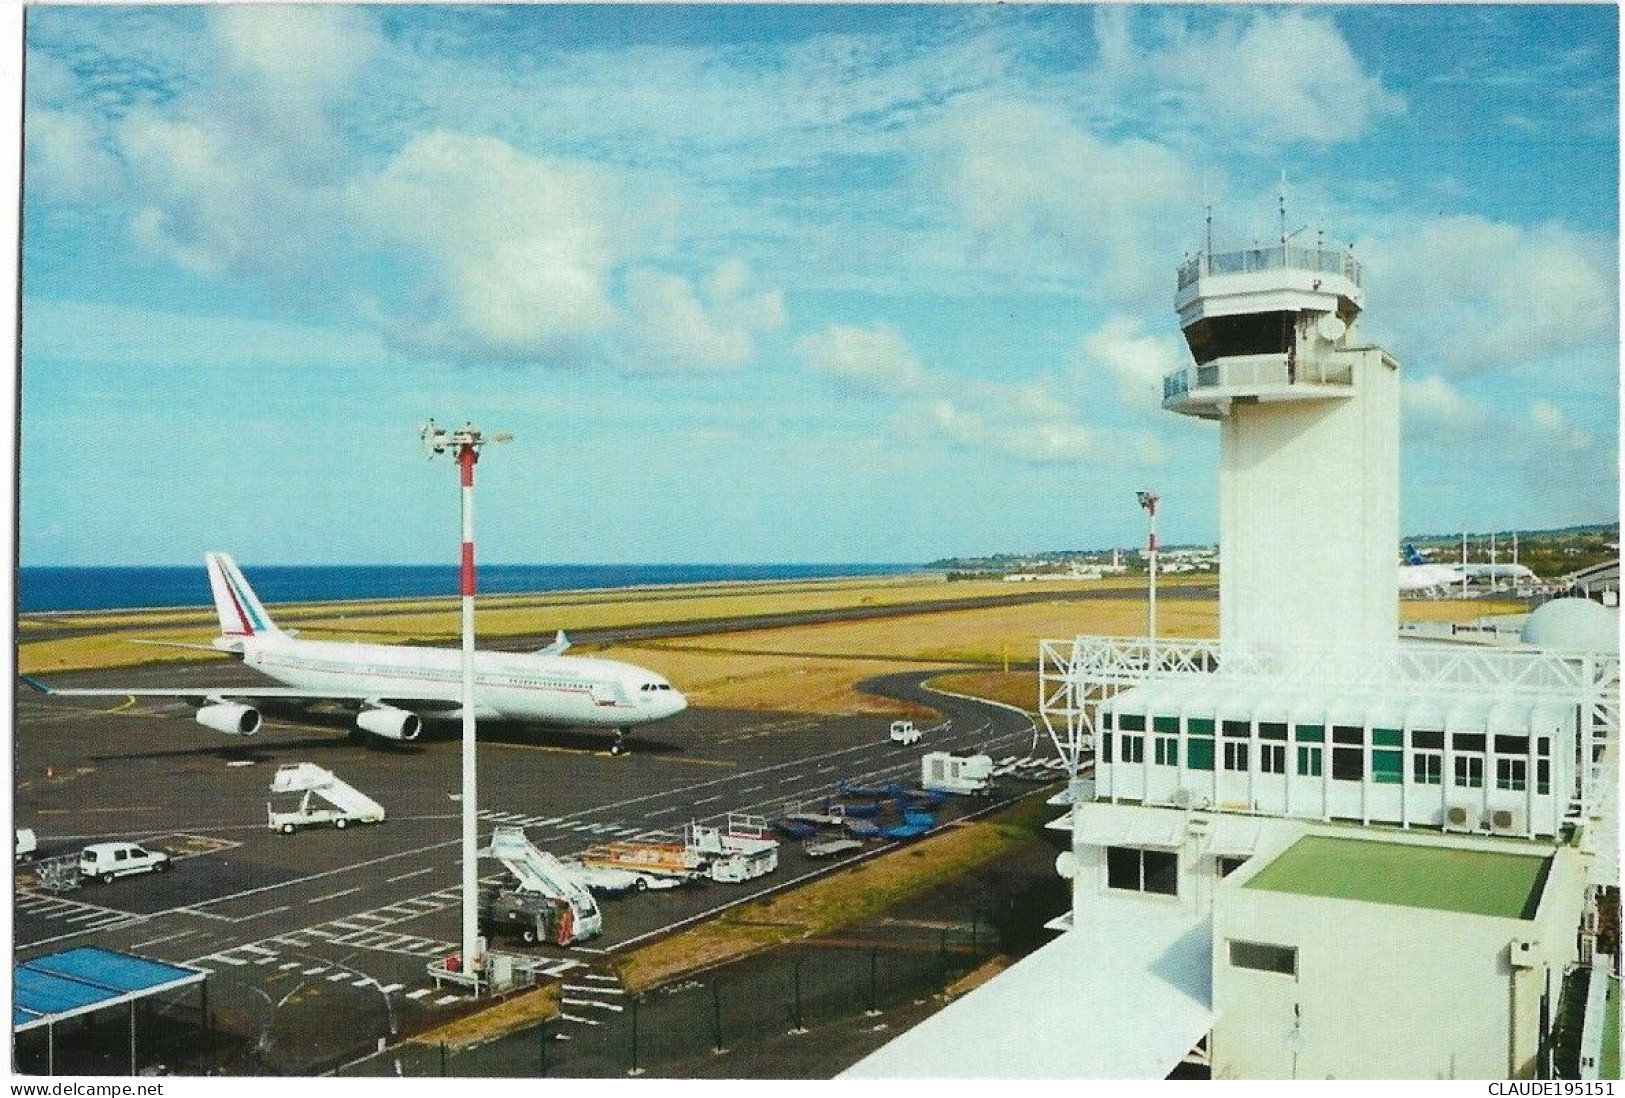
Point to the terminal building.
(1308, 849)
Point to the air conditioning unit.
(1180, 798)
(1504, 821)
(1459, 817)
(1523, 952)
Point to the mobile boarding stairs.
(324, 800)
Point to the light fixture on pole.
(1149, 502)
(465, 443)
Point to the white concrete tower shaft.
(1308, 444)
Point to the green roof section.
(1472, 882)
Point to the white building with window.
(1306, 849)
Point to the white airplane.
(1418, 575)
(393, 687)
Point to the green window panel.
(1131, 722)
(1104, 748)
(1167, 751)
(1387, 737)
(1201, 755)
(1199, 726)
(1387, 767)
(1309, 762)
(1168, 725)
(1311, 733)
(1271, 731)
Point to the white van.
(27, 844)
(104, 861)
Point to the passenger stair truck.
(945, 772)
(738, 853)
(344, 803)
(554, 903)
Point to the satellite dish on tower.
(1331, 327)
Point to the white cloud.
(1272, 76)
(1466, 294)
(669, 328)
(1434, 408)
(1138, 360)
(873, 359)
(1552, 428)
(1038, 194)
(66, 158)
(515, 252)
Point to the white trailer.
(945, 772)
(324, 799)
(740, 852)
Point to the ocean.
(119, 588)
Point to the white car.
(105, 861)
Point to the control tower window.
(1246, 334)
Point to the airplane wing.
(246, 693)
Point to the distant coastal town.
(1551, 554)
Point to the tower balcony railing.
(1273, 258)
(1252, 372)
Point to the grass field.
(810, 669)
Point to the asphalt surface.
(319, 941)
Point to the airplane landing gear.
(619, 746)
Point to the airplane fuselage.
(567, 691)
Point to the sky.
(827, 283)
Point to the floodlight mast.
(1149, 502)
(465, 443)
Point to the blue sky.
(776, 284)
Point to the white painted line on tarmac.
(418, 994)
(599, 977)
(363, 982)
(165, 938)
(314, 971)
(708, 800)
(405, 876)
(262, 914)
(290, 964)
(592, 1003)
(445, 1000)
(596, 990)
(334, 896)
(227, 960)
(390, 989)
(337, 976)
(574, 1018)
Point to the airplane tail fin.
(241, 614)
(1412, 556)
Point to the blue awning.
(62, 985)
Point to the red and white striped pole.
(1149, 502)
(467, 455)
(465, 443)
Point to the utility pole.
(1149, 502)
(464, 444)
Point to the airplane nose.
(678, 703)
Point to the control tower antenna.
(1281, 195)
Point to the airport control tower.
(1308, 443)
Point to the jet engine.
(390, 723)
(232, 718)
